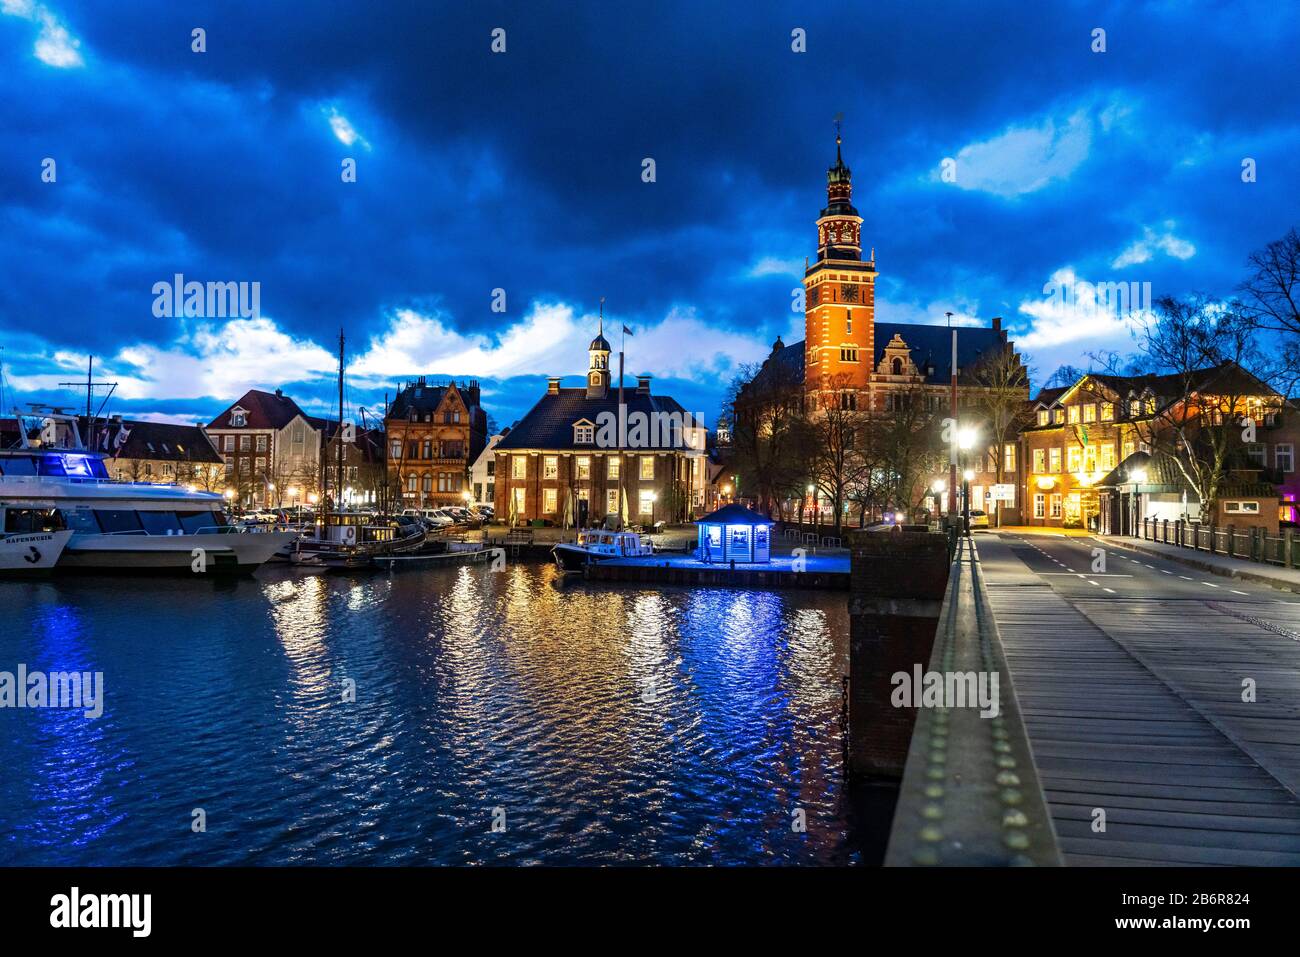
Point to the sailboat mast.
(339, 434)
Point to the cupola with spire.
(839, 227)
(598, 365)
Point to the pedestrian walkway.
(1147, 750)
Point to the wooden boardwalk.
(1134, 707)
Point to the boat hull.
(571, 558)
(239, 554)
(34, 553)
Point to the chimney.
(420, 382)
(643, 384)
(552, 385)
(997, 323)
(279, 393)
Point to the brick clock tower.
(840, 296)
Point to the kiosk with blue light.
(735, 534)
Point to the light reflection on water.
(611, 724)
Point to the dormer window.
(239, 418)
(1044, 417)
(584, 433)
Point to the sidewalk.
(1040, 530)
(1288, 579)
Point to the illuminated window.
(613, 466)
(1040, 460)
(646, 501)
(1058, 416)
(1056, 506)
(584, 466)
(550, 466)
(647, 467)
(1284, 456)
(611, 502)
(1008, 457)
(1090, 412)
(1108, 412)
(518, 466)
(1108, 456)
(1074, 414)
(1073, 458)
(1040, 506)
(1044, 417)
(548, 500)
(519, 500)
(1055, 459)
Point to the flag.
(627, 331)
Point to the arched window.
(898, 366)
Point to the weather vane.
(839, 118)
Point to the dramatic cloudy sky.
(522, 171)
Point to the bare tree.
(1002, 402)
(837, 431)
(1207, 388)
(768, 433)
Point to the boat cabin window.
(113, 520)
(194, 522)
(18, 465)
(21, 520)
(81, 520)
(160, 523)
(72, 465)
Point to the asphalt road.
(1093, 568)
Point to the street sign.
(1002, 493)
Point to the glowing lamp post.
(966, 441)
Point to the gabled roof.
(160, 441)
(425, 399)
(549, 424)
(266, 410)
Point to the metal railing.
(1249, 543)
(970, 793)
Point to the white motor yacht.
(50, 484)
(598, 545)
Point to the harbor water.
(456, 715)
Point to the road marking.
(1235, 592)
(1184, 578)
(1111, 590)
(1166, 571)
(1211, 584)
(1091, 582)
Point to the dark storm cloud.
(522, 171)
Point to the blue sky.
(521, 171)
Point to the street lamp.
(654, 497)
(293, 500)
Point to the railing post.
(1287, 539)
(1178, 533)
(1232, 540)
(1213, 543)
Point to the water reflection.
(609, 724)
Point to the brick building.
(434, 433)
(567, 449)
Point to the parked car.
(439, 517)
(978, 519)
